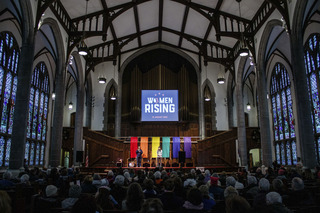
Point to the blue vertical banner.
(187, 146)
(175, 147)
(166, 147)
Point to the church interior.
(73, 76)
(197, 98)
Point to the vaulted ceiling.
(210, 28)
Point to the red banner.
(133, 147)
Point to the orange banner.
(144, 146)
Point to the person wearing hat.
(214, 190)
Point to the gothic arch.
(213, 102)
(111, 83)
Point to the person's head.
(207, 172)
(230, 181)
(75, 191)
(204, 189)
(139, 147)
(297, 184)
(102, 197)
(85, 204)
(135, 197)
(169, 185)
(277, 184)
(5, 202)
(148, 184)
(119, 180)
(273, 198)
(159, 148)
(153, 205)
(88, 179)
(194, 196)
(24, 178)
(252, 180)
(237, 204)
(230, 191)
(96, 177)
(110, 173)
(51, 191)
(157, 175)
(264, 185)
(7, 175)
(214, 181)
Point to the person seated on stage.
(139, 153)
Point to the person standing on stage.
(139, 153)
(159, 156)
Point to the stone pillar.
(304, 127)
(21, 109)
(266, 144)
(242, 138)
(56, 137)
(78, 129)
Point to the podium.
(182, 158)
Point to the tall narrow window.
(9, 56)
(312, 61)
(38, 114)
(283, 121)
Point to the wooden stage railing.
(218, 150)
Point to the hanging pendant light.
(82, 49)
(248, 106)
(207, 96)
(244, 51)
(221, 79)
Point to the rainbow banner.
(155, 146)
(144, 146)
(175, 147)
(187, 146)
(165, 147)
(133, 147)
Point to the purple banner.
(187, 146)
(175, 147)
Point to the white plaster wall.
(70, 96)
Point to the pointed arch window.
(312, 61)
(9, 57)
(37, 116)
(282, 114)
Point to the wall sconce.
(102, 80)
(53, 96)
(248, 106)
(70, 105)
(112, 94)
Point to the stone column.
(56, 137)
(78, 129)
(242, 138)
(266, 144)
(304, 127)
(21, 109)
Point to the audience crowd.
(261, 189)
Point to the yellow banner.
(155, 146)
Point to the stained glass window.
(312, 61)
(31, 159)
(38, 114)
(282, 113)
(26, 154)
(9, 56)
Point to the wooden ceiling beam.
(184, 22)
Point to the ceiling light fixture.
(82, 49)
(244, 51)
(221, 79)
(70, 105)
